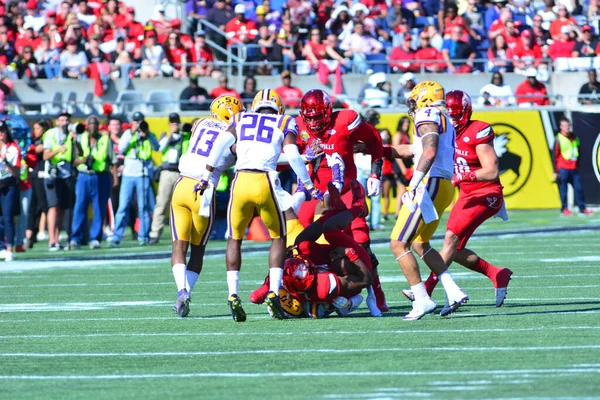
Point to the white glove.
(409, 199)
(373, 185)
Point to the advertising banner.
(587, 127)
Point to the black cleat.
(235, 306)
(274, 304)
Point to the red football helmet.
(298, 274)
(459, 107)
(315, 110)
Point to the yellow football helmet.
(268, 98)
(426, 94)
(225, 107)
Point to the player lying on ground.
(259, 136)
(335, 133)
(332, 274)
(428, 195)
(192, 212)
(480, 194)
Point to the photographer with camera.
(96, 170)
(172, 145)
(10, 161)
(60, 150)
(137, 145)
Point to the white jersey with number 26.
(260, 139)
(193, 162)
(443, 166)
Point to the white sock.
(419, 291)
(233, 278)
(297, 200)
(179, 275)
(190, 280)
(447, 281)
(275, 278)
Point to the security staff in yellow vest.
(96, 170)
(566, 163)
(60, 150)
(137, 145)
(172, 145)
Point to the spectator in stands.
(38, 206)
(493, 13)
(27, 66)
(60, 150)
(154, 60)
(33, 18)
(407, 82)
(97, 170)
(315, 50)
(249, 91)
(498, 56)
(176, 55)
(56, 40)
(73, 63)
(219, 15)
(335, 53)
(85, 14)
(271, 57)
(377, 93)
(590, 92)
(7, 50)
(10, 163)
(194, 97)
(564, 19)
(195, 10)
(586, 47)
(499, 25)
(511, 35)
(531, 92)
(540, 35)
(201, 56)
(452, 19)
(527, 53)
(240, 30)
(399, 19)
(172, 145)
(566, 164)
(402, 57)
(563, 45)
(361, 47)
(496, 93)
(289, 94)
(455, 49)
(261, 15)
(547, 13)
(426, 53)
(159, 20)
(93, 53)
(223, 89)
(522, 11)
(28, 38)
(137, 144)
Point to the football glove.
(315, 193)
(373, 185)
(409, 199)
(313, 152)
(200, 188)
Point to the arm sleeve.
(295, 161)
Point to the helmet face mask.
(223, 108)
(315, 110)
(460, 107)
(298, 274)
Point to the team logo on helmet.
(304, 136)
(514, 156)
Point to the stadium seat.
(71, 102)
(54, 105)
(128, 100)
(87, 106)
(160, 101)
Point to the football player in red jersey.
(480, 193)
(336, 133)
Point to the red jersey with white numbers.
(468, 138)
(345, 129)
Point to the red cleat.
(587, 211)
(358, 197)
(259, 295)
(502, 278)
(566, 212)
(379, 295)
(335, 199)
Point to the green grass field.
(105, 329)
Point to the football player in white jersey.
(193, 213)
(429, 193)
(259, 137)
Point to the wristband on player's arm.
(416, 179)
(376, 167)
(351, 254)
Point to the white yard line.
(301, 333)
(306, 374)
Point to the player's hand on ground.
(373, 185)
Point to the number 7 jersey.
(193, 162)
(260, 139)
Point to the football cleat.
(358, 197)
(409, 294)
(566, 212)
(235, 306)
(372, 303)
(258, 296)
(274, 304)
(182, 306)
(335, 200)
(380, 296)
(453, 302)
(502, 280)
(420, 308)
